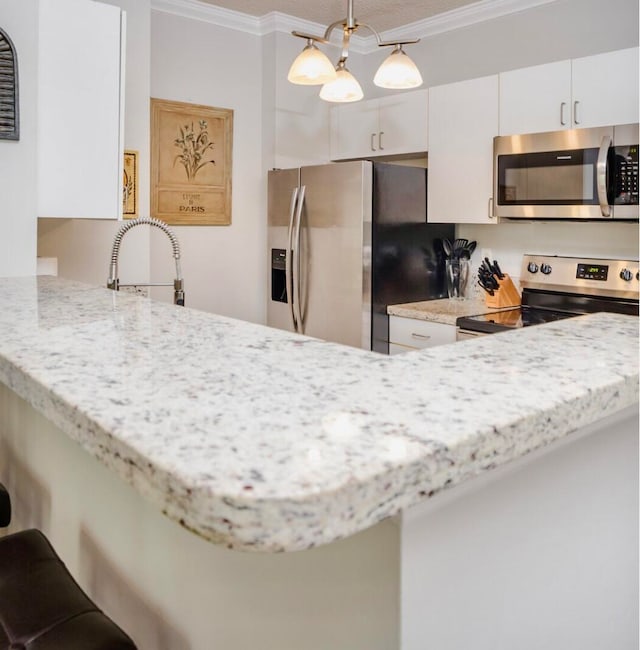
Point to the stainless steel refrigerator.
(346, 240)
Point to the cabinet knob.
(380, 140)
(373, 135)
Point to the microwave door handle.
(601, 176)
(288, 262)
(297, 254)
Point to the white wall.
(19, 19)
(224, 266)
(83, 247)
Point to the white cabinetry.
(80, 100)
(597, 90)
(605, 89)
(406, 334)
(463, 120)
(392, 125)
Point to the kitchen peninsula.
(117, 410)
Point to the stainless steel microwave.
(573, 174)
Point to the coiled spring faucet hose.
(178, 283)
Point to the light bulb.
(311, 67)
(398, 71)
(345, 88)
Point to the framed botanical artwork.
(130, 185)
(191, 149)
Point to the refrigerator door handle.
(288, 263)
(297, 303)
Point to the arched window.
(9, 122)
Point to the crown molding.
(274, 21)
(477, 12)
(210, 14)
(278, 22)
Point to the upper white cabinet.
(80, 109)
(605, 89)
(463, 120)
(597, 90)
(392, 125)
(535, 99)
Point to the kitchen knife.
(489, 291)
(498, 270)
(487, 280)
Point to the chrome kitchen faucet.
(178, 283)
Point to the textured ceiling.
(380, 14)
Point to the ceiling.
(382, 15)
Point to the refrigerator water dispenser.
(278, 275)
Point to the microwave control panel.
(626, 166)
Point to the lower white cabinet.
(406, 334)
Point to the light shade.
(345, 88)
(398, 71)
(311, 67)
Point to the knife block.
(506, 295)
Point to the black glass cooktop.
(510, 319)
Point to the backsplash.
(508, 242)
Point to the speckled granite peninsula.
(181, 404)
(115, 409)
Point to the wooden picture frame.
(9, 104)
(191, 160)
(130, 185)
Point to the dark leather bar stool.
(41, 606)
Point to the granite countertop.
(259, 439)
(444, 311)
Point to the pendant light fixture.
(312, 67)
(344, 88)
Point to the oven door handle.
(601, 176)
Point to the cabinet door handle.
(380, 140)
(373, 135)
(490, 208)
(563, 105)
(575, 112)
(424, 337)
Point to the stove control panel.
(611, 278)
(598, 272)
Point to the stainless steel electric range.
(556, 287)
